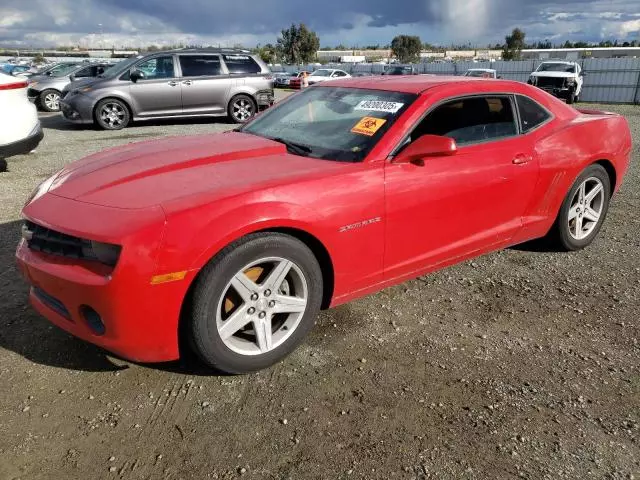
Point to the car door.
(473, 201)
(205, 84)
(158, 92)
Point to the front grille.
(550, 82)
(51, 302)
(49, 241)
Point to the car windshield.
(341, 124)
(477, 73)
(64, 70)
(119, 67)
(557, 67)
(322, 73)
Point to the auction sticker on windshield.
(368, 126)
(379, 106)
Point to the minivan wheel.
(112, 114)
(50, 100)
(254, 302)
(242, 108)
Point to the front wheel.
(242, 108)
(584, 210)
(254, 303)
(50, 101)
(112, 114)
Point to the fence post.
(636, 95)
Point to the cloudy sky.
(129, 23)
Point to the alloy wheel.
(52, 101)
(112, 114)
(262, 306)
(586, 208)
(242, 109)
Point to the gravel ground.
(523, 363)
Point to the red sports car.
(236, 240)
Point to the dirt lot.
(523, 363)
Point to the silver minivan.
(177, 83)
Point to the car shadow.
(24, 332)
(58, 122)
(540, 245)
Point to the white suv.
(20, 130)
(561, 79)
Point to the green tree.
(406, 48)
(268, 53)
(298, 44)
(514, 44)
(38, 59)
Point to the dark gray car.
(177, 83)
(45, 90)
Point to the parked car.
(561, 79)
(399, 70)
(362, 74)
(236, 240)
(20, 130)
(326, 74)
(283, 79)
(15, 70)
(45, 90)
(481, 73)
(173, 84)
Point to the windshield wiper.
(295, 148)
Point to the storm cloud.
(123, 23)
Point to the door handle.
(187, 82)
(522, 159)
(173, 83)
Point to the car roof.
(417, 83)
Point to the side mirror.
(136, 75)
(72, 78)
(427, 146)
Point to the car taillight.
(14, 86)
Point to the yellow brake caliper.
(252, 274)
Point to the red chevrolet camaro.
(236, 240)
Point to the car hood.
(553, 74)
(156, 172)
(83, 82)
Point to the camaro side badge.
(364, 223)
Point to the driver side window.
(471, 120)
(158, 67)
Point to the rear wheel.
(584, 210)
(112, 114)
(50, 100)
(255, 302)
(242, 108)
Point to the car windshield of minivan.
(119, 67)
(557, 67)
(332, 123)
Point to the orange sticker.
(368, 126)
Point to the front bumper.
(25, 145)
(77, 108)
(140, 319)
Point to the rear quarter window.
(532, 114)
(241, 64)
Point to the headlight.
(105, 253)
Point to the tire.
(49, 100)
(571, 99)
(564, 233)
(112, 114)
(242, 108)
(226, 314)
